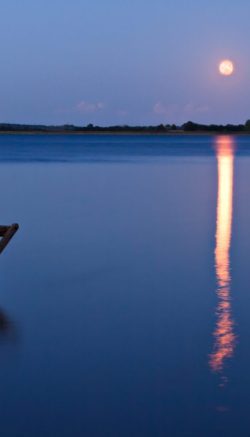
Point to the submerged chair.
(7, 232)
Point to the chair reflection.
(6, 234)
(224, 331)
(6, 325)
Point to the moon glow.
(226, 67)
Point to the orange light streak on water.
(224, 333)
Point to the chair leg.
(7, 232)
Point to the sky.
(124, 62)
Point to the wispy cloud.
(190, 108)
(82, 107)
(178, 111)
(89, 107)
(122, 112)
(165, 110)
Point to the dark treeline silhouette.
(158, 129)
(196, 127)
(90, 128)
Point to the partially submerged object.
(7, 232)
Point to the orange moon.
(226, 67)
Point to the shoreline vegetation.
(162, 129)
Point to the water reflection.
(224, 330)
(7, 328)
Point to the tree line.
(189, 126)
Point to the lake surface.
(125, 295)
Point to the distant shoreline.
(189, 128)
(124, 133)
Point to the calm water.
(126, 292)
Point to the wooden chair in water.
(7, 232)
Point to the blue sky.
(126, 62)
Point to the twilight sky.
(124, 62)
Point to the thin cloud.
(165, 110)
(122, 112)
(190, 108)
(175, 111)
(89, 107)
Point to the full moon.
(226, 67)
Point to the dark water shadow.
(8, 329)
